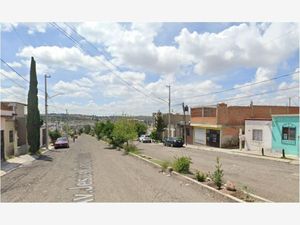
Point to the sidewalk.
(22, 160)
(255, 154)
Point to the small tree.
(159, 125)
(140, 128)
(108, 129)
(218, 174)
(154, 135)
(54, 135)
(87, 129)
(124, 130)
(99, 127)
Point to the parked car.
(173, 141)
(145, 138)
(61, 142)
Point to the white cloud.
(31, 27)
(50, 58)
(242, 46)
(133, 47)
(77, 88)
(14, 94)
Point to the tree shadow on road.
(45, 158)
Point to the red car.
(61, 142)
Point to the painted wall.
(290, 147)
(254, 145)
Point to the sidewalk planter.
(285, 134)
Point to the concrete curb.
(232, 198)
(240, 153)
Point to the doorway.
(2, 145)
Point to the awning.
(206, 126)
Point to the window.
(11, 136)
(256, 135)
(289, 133)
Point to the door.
(200, 136)
(213, 138)
(2, 144)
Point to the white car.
(145, 138)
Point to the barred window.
(257, 135)
(289, 133)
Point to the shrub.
(54, 135)
(182, 164)
(131, 148)
(218, 174)
(201, 177)
(164, 165)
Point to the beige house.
(13, 129)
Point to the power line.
(13, 81)
(114, 65)
(18, 73)
(240, 87)
(247, 96)
(14, 70)
(124, 81)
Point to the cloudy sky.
(115, 68)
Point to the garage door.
(200, 136)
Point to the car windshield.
(62, 139)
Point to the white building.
(258, 134)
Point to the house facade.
(176, 125)
(220, 125)
(285, 134)
(13, 129)
(258, 134)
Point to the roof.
(285, 115)
(14, 102)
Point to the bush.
(165, 165)
(116, 142)
(131, 148)
(54, 135)
(201, 177)
(182, 164)
(218, 174)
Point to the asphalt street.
(274, 180)
(89, 171)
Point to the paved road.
(89, 171)
(276, 181)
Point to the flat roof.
(285, 115)
(13, 102)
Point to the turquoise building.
(285, 133)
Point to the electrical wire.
(86, 51)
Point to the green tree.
(108, 129)
(218, 174)
(140, 128)
(33, 113)
(99, 126)
(124, 131)
(87, 129)
(54, 135)
(159, 125)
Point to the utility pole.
(46, 111)
(290, 101)
(185, 108)
(67, 124)
(169, 117)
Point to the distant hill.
(62, 117)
